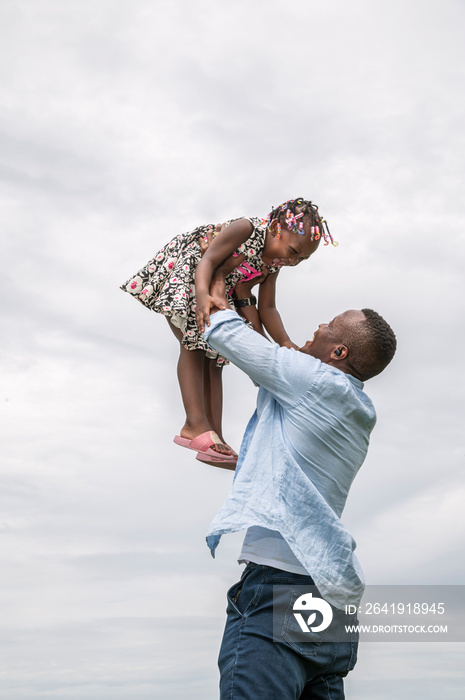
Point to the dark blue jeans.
(255, 667)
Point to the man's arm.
(285, 373)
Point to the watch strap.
(241, 303)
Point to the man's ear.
(340, 352)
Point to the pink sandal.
(203, 443)
(222, 463)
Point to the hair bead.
(318, 226)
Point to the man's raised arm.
(284, 372)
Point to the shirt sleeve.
(286, 373)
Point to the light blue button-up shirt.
(300, 453)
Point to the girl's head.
(294, 231)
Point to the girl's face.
(290, 248)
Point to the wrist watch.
(241, 303)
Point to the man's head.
(359, 343)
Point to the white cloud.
(121, 126)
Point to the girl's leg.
(191, 382)
(213, 394)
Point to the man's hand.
(290, 344)
(207, 238)
(243, 289)
(205, 241)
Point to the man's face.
(330, 335)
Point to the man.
(301, 451)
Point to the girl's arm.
(269, 314)
(215, 265)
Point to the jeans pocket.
(244, 596)
(306, 643)
(233, 596)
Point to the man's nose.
(322, 325)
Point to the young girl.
(246, 251)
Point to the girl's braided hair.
(292, 212)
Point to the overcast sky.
(123, 123)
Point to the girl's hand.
(204, 306)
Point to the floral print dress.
(166, 283)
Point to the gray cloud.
(122, 126)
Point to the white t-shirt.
(268, 547)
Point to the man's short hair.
(372, 345)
